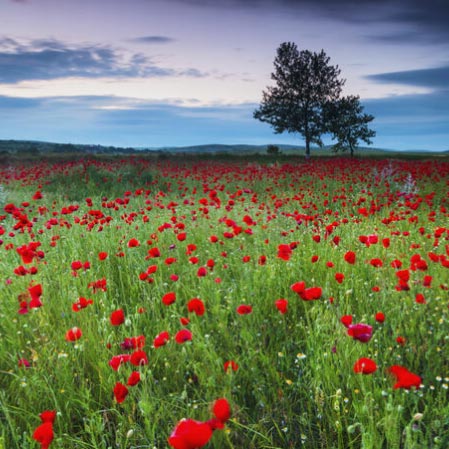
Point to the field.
(310, 297)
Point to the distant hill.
(30, 147)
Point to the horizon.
(177, 73)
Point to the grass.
(295, 385)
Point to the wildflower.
(244, 309)
(281, 304)
(73, 334)
(365, 366)
(117, 317)
(350, 257)
(139, 358)
(161, 339)
(43, 434)
(190, 434)
(361, 332)
(120, 392)
(169, 298)
(404, 378)
(182, 336)
(197, 306)
(230, 365)
(133, 379)
(380, 317)
(81, 304)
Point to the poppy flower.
(139, 358)
(81, 304)
(281, 304)
(118, 360)
(133, 243)
(420, 299)
(120, 392)
(380, 317)
(161, 339)
(361, 332)
(169, 298)
(133, 379)
(365, 366)
(221, 410)
(201, 272)
(311, 294)
(350, 257)
(190, 434)
(339, 277)
(197, 306)
(73, 334)
(102, 255)
(44, 434)
(404, 378)
(244, 309)
(230, 365)
(182, 336)
(117, 317)
(346, 320)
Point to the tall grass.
(295, 385)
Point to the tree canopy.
(306, 97)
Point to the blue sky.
(154, 73)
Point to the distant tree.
(305, 83)
(273, 150)
(348, 124)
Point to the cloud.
(51, 59)
(433, 78)
(153, 40)
(425, 21)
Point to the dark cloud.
(51, 59)
(433, 78)
(425, 21)
(153, 40)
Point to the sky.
(161, 73)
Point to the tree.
(348, 124)
(273, 150)
(305, 83)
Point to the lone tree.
(348, 124)
(305, 84)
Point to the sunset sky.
(154, 73)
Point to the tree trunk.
(307, 148)
(351, 148)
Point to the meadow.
(157, 303)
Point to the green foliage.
(304, 82)
(295, 387)
(348, 124)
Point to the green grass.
(295, 385)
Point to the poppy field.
(161, 303)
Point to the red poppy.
(202, 271)
(133, 243)
(339, 277)
(350, 257)
(102, 255)
(120, 392)
(244, 309)
(281, 304)
(197, 306)
(404, 378)
(312, 294)
(81, 304)
(365, 366)
(190, 434)
(73, 334)
(183, 335)
(169, 298)
(419, 298)
(221, 410)
(161, 339)
(44, 434)
(361, 332)
(380, 317)
(139, 358)
(118, 360)
(230, 365)
(133, 379)
(346, 320)
(117, 317)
